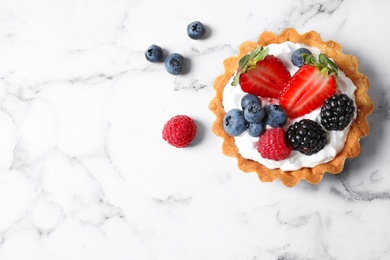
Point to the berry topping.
(196, 30)
(179, 131)
(272, 145)
(256, 129)
(254, 113)
(310, 86)
(275, 115)
(306, 136)
(174, 63)
(234, 122)
(154, 53)
(261, 74)
(297, 58)
(337, 112)
(249, 99)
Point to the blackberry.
(306, 136)
(337, 112)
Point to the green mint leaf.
(261, 55)
(255, 52)
(243, 61)
(333, 67)
(323, 59)
(328, 63)
(236, 80)
(308, 59)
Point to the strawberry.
(310, 86)
(261, 74)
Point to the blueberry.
(196, 30)
(234, 122)
(254, 113)
(296, 56)
(174, 63)
(154, 53)
(275, 115)
(256, 129)
(249, 99)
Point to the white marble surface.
(85, 174)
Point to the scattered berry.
(249, 99)
(174, 63)
(254, 113)
(275, 115)
(306, 136)
(309, 87)
(297, 58)
(196, 30)
(234, 122)
(179, 131)
(256, 129)
(272, 145)
(154, 53)
(261, 74)
(337, 112)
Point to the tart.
(336, 63)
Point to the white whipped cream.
(336, 139)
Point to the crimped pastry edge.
(360, 128)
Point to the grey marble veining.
(85, 174)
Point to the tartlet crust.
(359, 127)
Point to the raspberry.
(179, 131)
(272, 145)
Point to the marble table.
(85, 174)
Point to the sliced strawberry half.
(262, 74)
(309, 87)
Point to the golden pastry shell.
(349, 64)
